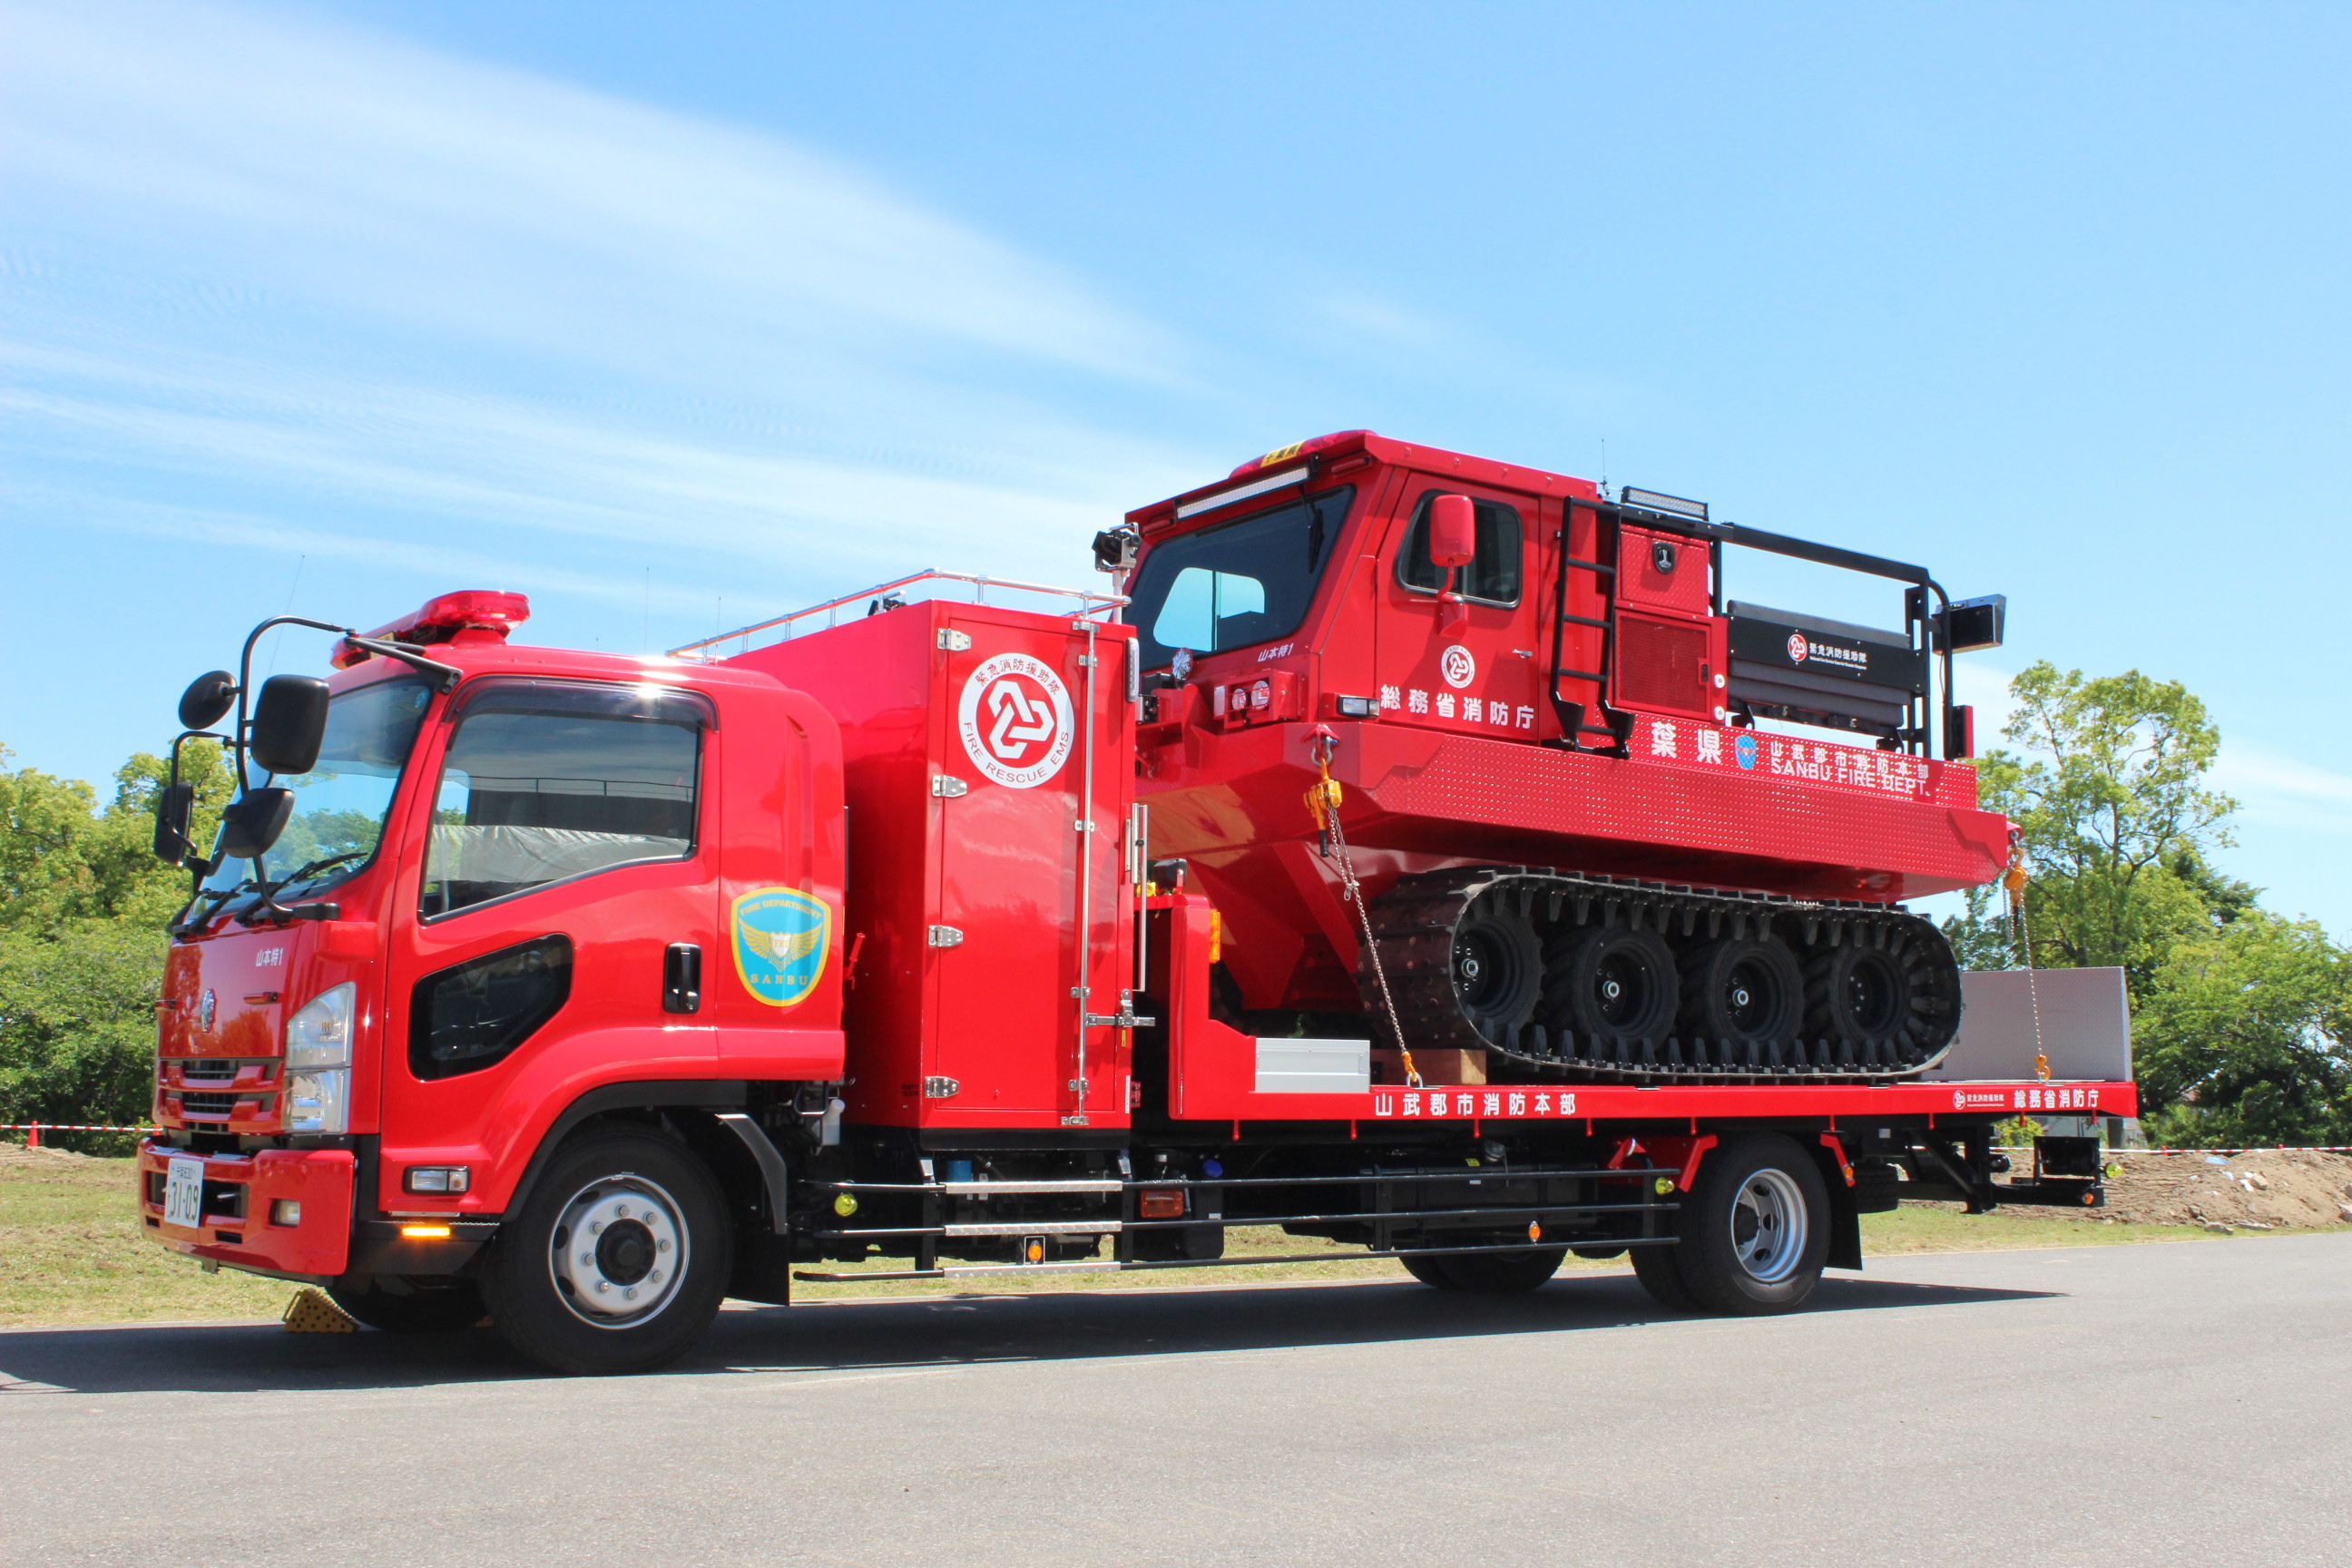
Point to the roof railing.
(1089, 602)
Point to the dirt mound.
(2268, 1190)
(43, 1159)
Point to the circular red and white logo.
(1796, 647)
(1456, 665)
(1014, 718)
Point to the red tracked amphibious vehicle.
(1584, 856)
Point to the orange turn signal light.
(1165, 1202)
(424, 1232)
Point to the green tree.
(2243, 1037)
(83, 902)
(2114, 820)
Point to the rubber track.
(1415, 921)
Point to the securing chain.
(1323, 804)
(2013, 887)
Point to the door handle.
(682, 978)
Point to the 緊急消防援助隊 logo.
(782, 935)
(1015, 720)
(1458, 666)
(1796, 647)
(1744, 748)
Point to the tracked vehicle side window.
(548, 781)
(1492, 578)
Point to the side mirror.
(1453, 531)
(249, 826)
(290, 721)
(208, 699)
(172, 808)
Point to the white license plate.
(184, 1194)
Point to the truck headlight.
(320, 1035)
(319, 1101)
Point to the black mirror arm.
(448, 675)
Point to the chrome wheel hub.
(1768, 1227)
(618, 1252)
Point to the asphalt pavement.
(2185, 1403)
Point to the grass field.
(72, 1251)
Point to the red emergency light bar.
(442, 618)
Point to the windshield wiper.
(269, 908)
(211, 903)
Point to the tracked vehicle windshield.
(1238, 583)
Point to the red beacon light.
(487, 614)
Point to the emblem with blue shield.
(780, 938)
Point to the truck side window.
(1492, 578)
(546, 780)
(472, 1017)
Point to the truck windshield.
(341, 804)
(1237, 584)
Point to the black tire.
(437, 1308)
(1512, 1273)
(1429, 1269)
(647, 1202)
(1755, 1228)
(1612, 982)
(1498, 969)
(1897, 988)
(1661, 1275)
(1746, 990)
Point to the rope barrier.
(32, 1129)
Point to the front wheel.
(618, 1261)
(1756, 1228)
(437, 1308)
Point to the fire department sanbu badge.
(780, 938)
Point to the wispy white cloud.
(353, 166)
(291, 285)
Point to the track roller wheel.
(1612, 982)
(1746, 990)
(1497, 967)
(1755, 1229)
(1897, 996)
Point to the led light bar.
(1651, 501)
(1212, 501)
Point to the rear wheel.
(1427, 1268)
(1512, 1273)
(1661, 1275)
(617, 1262)
(1756, 1228)
(436, 1309)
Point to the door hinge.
(947, 786)
(946, 936)
(1086, 661)
(1079, 1087)
(940, 1088)
(953, 640)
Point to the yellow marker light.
(845, 1205)
(1535, 1230)
(424, 1232)
(1216, 937)
(1666, 1185)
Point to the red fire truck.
(1412, 852)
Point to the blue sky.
(675, 317)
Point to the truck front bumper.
(274, 1211)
